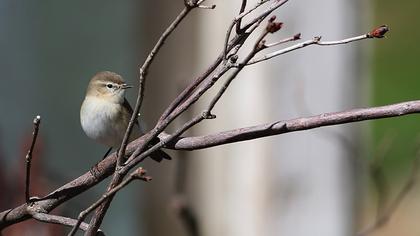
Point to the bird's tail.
(159, 155)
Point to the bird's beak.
(126, 86)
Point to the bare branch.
(143, 74)
(316, 41)
(137, 159)
(247, 12)
(54, 219)
(188, 90)
(139, 173)
(250, 27)
(275, 5)
(280, 127)
(283, 41)
(28, 158)
(272, 27)
(187, 97)
(238, 24)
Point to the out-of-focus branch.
(179, 201)
(378, 176)
(386, 215)
(28, 158)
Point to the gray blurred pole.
(296, 184)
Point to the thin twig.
(237, 21)
(142, 78)
(133, 119)
(188, 98)
(241, 31)
(238, 24)
(54, 219)
(137, 174)
(315, 41)
(228, 45)
(28, 158)
(257, 47)
(277, 4)
(188, 90)
(247, 12)
(283, 41)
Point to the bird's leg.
(118, 153)
(107, 152)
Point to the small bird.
(105, 112)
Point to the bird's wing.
(159, 155)
(126, 105)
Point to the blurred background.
(328, 181)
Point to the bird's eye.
(109, 85)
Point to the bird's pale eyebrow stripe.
(106, 83)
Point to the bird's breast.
(104, 121)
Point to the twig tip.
(140, 173)
(147, 178)
(378, 32)
(317, 39)
(37, 119)
(273, 26)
